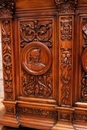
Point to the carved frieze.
(37, 112)
(66, 6)
(80, 117)
(7, 59)
(6, 8)
(36, 59)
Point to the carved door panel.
(35, 71)
(36, 44)
(81, 54)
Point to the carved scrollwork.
(84, 59)
(36, 46)
(66, 6)
(7, 59)
(38, 86)
(37, 112)
(34, 31)
(6, 8)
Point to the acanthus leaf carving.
(38, 86)
(51, 114)
(36, 32)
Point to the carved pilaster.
(6, 12)
(66, 9)
(66, 36)
(7, 59)
(66, 6)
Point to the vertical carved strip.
(84, 59)
(65, 46)
(7, 59)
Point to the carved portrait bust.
(36, 58)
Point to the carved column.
(6, 15)
(66, 10)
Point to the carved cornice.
(6, 8)
(66, 6)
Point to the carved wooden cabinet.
(44, 48)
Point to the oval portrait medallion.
(36, 58)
